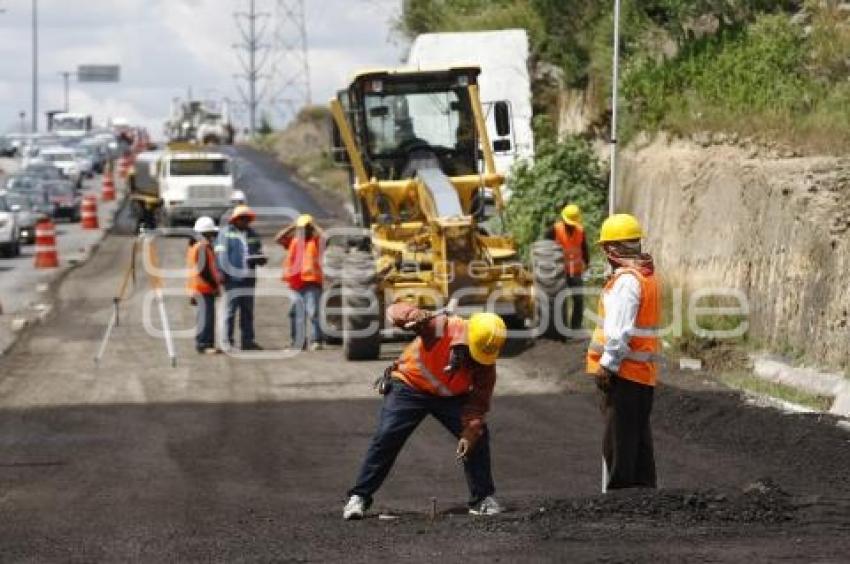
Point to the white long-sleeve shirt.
(621, 301)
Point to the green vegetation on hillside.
(562, 173)
(772, 68)
(687, 64)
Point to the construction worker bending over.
(203, 283)
(624, 354)
(302, 272)
(569, 234)
(449, 372)
(240, 252)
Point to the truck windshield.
(397, 123)
(199, 167)
(58, 157)
(69, 124)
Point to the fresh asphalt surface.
(248, 459)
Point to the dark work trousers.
(205, 326)
(402, 411)
(627, 446)
(241, 299)
(577, 315)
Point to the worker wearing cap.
(302, 272)
(240, 252)
(448, 371)
(624, 354)
(569, 234)
(203, 284)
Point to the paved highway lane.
(230, 458)
(270, 189)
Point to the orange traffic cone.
(107, 192)
(89, 212)
(46, 255)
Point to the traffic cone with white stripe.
(89, 212)
(107, 191)
(46, 255)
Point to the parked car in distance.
(42, 171)
(7, 147)
(85, 160)
(10, 243)
(27, 212)
(63, 158)
(21, 182)
(65, 199)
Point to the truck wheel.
(332, 268)
(361, 338)
(550, 278)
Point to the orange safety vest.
(641, 363)
(196, 263)
(303, 264)
(571, 243)
(422, 368)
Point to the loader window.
(398, 123)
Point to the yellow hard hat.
(571, 214)
(243, 211)
(304, 220)
(620, 227)
(486, 335)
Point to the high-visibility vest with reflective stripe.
(570, 241)
(422, 367)
(196, 263)
(641, 363)
(303, 264)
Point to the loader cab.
(397, 117)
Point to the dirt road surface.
(248, 459)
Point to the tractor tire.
(550, 278)
(361, 308)
(333, 260)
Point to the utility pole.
(34, 66)
(254, 60)
(66, 77)
(615, 86)
(291, 70)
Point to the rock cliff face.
(723, 216)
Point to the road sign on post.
(99, 73)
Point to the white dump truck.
(192, 181)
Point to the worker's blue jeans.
(304, 312)
(402, 411)
(205, 330)
(241, 299)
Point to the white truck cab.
(193, 183)
(71, 125)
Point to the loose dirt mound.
(762, 502)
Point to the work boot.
(354, 509)
(487, 506)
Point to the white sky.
(165, 46)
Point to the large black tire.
(550, 278)
(361, 308)
(332, 269)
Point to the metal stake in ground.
(129, 274)
(156, 283)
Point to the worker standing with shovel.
(449, 372)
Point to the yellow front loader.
(423, 183)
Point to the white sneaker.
(487, 506)
(354, 509)
(315, 346)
